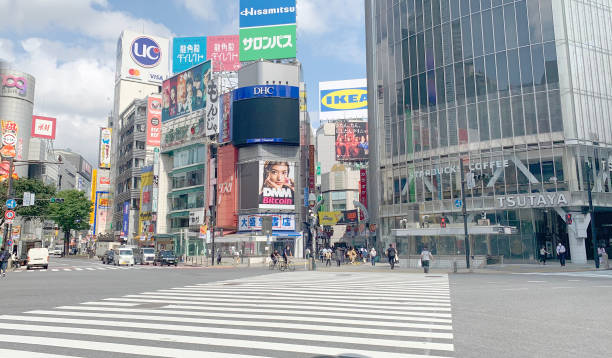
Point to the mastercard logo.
(134, 72)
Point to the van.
(144, 255)
(123, 256)
(38, 257)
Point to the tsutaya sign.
(493, 165)
(533, 200)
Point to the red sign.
(227, 190)
(223, 51)
(9, 215)
(154, 121)
(104, 180)
(43, 127)
(311, 168)
(363, 187)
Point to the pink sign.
(224, 52)
(43, 127)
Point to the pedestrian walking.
(328, 257)
(373, 256)
(426, 258)
(218, 257)
(391, 256)
(561, 253)
(236, 257)
(543, 254)
(4, 258)
(287, 254)
(339, 255)
(600, 252)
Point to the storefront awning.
(459, 230)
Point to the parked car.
(165, 257)
(123, 256)
(38, 257)
(144, 255)
(108, 257)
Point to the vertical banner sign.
(363, 187)
(145, 223)
(268, 43)
(212, 105)
(311, 168)
(187, 52)
(43, 127)
(125, 225)
(227, 196)
(105, 148)
(94, 183)
(226, 106)
(9, 139)
(223, 52)
(154, 121)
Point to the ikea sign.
(347, 99)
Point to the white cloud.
(6, 50)
(92, 18)
(203, 9)
(221, 17)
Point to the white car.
(38, 257)
(123, 257)
(58, 250)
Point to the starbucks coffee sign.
(535, 200)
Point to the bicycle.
(286, 266)
(273, 265)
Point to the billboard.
(351, 141)
(104, 156)
(185, 92)
(266, 120)
(187, 52)
(212, 104)
(343, 99)
(125, 223)
(43, 127)
(227, 199)
(268, 43)
(142, 57)
(256, 13)
(145, 216)
(223, 52)
(363, 187)
(225, 126)
(277, 185)
(9, 139)
(330, 218)
(280, 222)
(154, 121)
(85, 168)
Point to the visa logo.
(343, 99)
(156, 77)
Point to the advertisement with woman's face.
(277, 185)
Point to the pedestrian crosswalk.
(586, 274)
(94, 268)
(301, 314)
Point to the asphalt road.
(493, 315)
(512, 315)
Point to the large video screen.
(266, 120)
(352, 141)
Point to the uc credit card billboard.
(142, 57)
(346, 99)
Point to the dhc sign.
(266, 91)
(344, 99)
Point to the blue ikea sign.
(266, 91)
(255, 13)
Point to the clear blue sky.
(69, 46)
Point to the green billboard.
(269, 43)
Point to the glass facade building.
(520, 92)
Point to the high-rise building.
(519, 92)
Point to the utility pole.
(464, 212)
(592, 213)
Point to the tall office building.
(520, 92)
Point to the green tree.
(40, 209)
(72, 214)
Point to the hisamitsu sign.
(255, 13)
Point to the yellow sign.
(329, 218)
(146, 191)
(94, 180)
(303, 101)
(354, 98)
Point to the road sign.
(10, 222)
(9, 215)
(11, 203)
(9, 138)
(26, 198)
(458, 203)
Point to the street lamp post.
(592, 213)
(464, 212)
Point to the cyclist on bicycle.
(275, 256)
(287, 253)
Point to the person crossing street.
(4, 258)
(391, 255)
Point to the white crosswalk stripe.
(590, 274)
(95, 268)
(302, 314)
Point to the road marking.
(90, 268)
(574, 280)
(536, 281)
(54, 270)
(112, 304)
(515, 289)
(78, 269)
(560, 287)
(67, 270)
(22, 353)
(603, 286)
(116, 347)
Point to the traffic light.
(568, 219)
(443, 222)
(57, 200)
